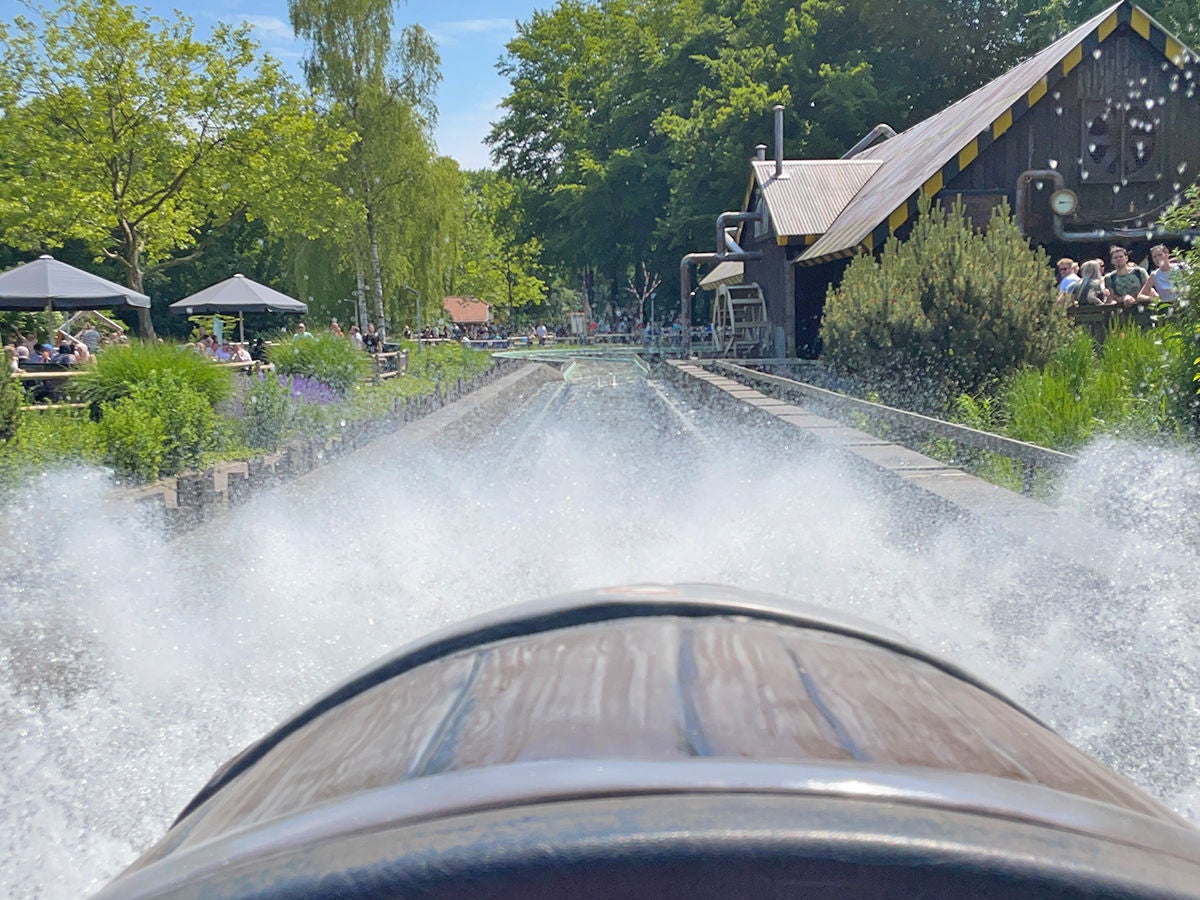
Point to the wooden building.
(467, 312)
(1088, 141)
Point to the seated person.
(64, 355)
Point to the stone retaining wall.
(192, 498)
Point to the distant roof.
(923, 158)
(467, 310)
(726, 272)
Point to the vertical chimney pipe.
(778, 140)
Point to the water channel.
(132, 665)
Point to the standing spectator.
(302, 331)
(91, 337)
(356, 337)
(335, 328)
(1162, 281)
(1091, 291)
(1125, 281)
(541, 334)
(371, 341)
(1068, 277)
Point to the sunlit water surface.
(132, 666)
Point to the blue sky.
(470, 34)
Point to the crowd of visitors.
(24, 351)
(1125, 285)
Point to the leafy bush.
(162, 427)
(46, 439)
(949, 311)
(134, 439)
(268, 411)
(448, 362)
(12, 395)
(322, 357)
(118, 370)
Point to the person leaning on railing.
(1163, 281)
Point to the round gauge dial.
(1064, 202)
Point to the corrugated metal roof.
(810, 195)
(926, 156)
(724, 273)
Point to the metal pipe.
(778, 141)
(1030, 176)
(727, 217)
(880, 130)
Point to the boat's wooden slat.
(370, 740)
(750, 699)
(883, 702)
(659, 688)
(595, 691)
(1048, 758)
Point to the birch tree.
(381, 85)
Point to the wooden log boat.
(689, 740)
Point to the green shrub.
(12, 396)
(268, 412)
(161, 427)
(1126, 388)
(134, 439)
(119, 369)
(949, 311)
(448, 362)
(323, 357)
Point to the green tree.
(498, 260)
(382, 88)
(129, 134)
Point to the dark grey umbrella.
(46, 284)
(237, 295)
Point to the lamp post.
(416, 294)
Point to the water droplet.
(1096, 54)
(1058, 110)
(1182, 167)
(1116, 189)
(1149, 103)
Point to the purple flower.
(309, 390)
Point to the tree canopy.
(126, 132)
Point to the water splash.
(134, 666)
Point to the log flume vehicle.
(666, 741)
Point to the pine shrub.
(949, 311)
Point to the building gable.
(927, 157)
